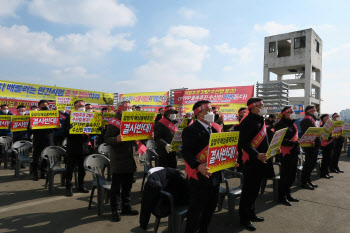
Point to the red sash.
(168, 124)
(62, 116)
(257, 140)
(286, 149)
(141, 147)
(311, 119)
(201, 156)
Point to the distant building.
(345, 115)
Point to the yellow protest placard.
(230, 114)
(146, 98)
(181, 122)
(5, 121)
(65, 103)
(177, 141)
(107, 117)
(346, 130)
(337, 128)
(310, 136)
(328, 128)
(19, 123)
(137, 125)
(44, 119)
(276, 143)
(85, 122)
(222, 152)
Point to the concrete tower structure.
(296, 59)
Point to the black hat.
(169, 109)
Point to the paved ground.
(25, 206)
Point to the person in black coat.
(311, 153)
(203, 185)
(241, 113)
(77, 150)
(338, 145)
(270, 124)
(42, 138)
(290, 151)
(20, 135)
(327, 147)
(159, 115)
(122, 165)
(256, 165)
(164, 131)
(5, 111)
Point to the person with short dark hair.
(20, 135)
(164, 131)
(89, 108)
(338, 145)
(327, 147)
(42, 138)
(34, 108)
(203, 185)
(290, 151)
(5, 111)
(254, 143)
(311, 153)
(241, 113)
(159, 115)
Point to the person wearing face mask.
(5, 111)
(241, 113)
(164, 131)
(159, 115)
(88, 108)
(33, 108)
(122, 165)
(100, 139)
(77, 150)
(254, 143)
(20, 135)
(290, 151)
(338, 145)
(203, 185)
(311, 153)
(327, 151)
(42, 138)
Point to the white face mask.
(89, 110)
(129, 110)
(292, 116)
(316, 114)
(5, 111)
(62, 111)
(338, 118)
(172, 116)
(190, 118)
(82, 109)
(22, 113)
(209, 117)
(262, 111)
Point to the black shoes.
(35, 177)
(256, 219)
(307, 186)
(326, 176)
(283, 200)
(115, 216)
(248, 225)
(129, 211)
(313, 185)
(292, 199)
(69, 192)
(83, 190)
(333, 171)
(339, 171)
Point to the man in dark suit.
(159, 115)
(254, 143)
(164, 131)
(338, 145)
(203, 185)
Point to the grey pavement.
(25, 206)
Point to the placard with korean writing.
(346, 130)
(19, 123)
(276, 143)
(181, 122)
(337, 128)
(5, 121)
(222, 152)
(328, 128)
(310, 136)
(107, 117)
(177, 141)
(85, 122)
(230, 114)
(146, 98)
(65, 103)
(44, 119)
(137, 125)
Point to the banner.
(346, 130)
(5, 121)
(19, 123)
(44, 119)
(137, 125)
(239, 94)
(222, 151)
(181, 122)
(146, 98)
(34, 91)
(13, 103)
(328, 128)
(177, 141)
(65, 103)
(337, 128)
(107, 117)
(276, 143)
(310, 136)
(85, 122)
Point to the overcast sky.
(154, 45)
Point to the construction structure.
(295, 58)
(275, 95)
